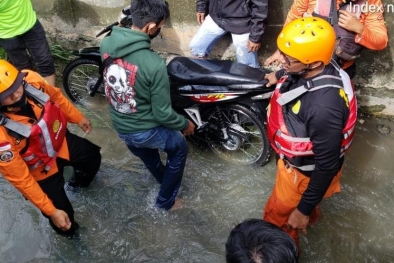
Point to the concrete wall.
(74, 24)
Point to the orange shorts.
(288, 189)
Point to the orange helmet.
(308, 39)
(10, 79)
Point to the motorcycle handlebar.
(106, 29)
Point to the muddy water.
(120, 224)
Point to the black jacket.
(237, 16)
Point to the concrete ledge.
(73, 24)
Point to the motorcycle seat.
(210, 72)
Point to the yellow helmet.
(308, 39)
(10, 79)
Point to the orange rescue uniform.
(289, 186)
(374, 36)
(15, 169)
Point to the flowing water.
(119, 222)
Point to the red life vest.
(289, 146)
(47, 134)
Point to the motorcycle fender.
(90, 53)
(259, 107)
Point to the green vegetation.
(60, 55)
(3, 55)
(58, 52)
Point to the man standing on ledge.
(245, 20)
(21, 34)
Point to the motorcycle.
(226, 100)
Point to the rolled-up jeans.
(146, 146)
(209, 33)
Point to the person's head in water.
(257, 241)
(149, 16)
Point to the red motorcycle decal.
(209, 98)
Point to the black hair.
(145, 11)
(255, 241)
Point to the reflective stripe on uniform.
(47, 138)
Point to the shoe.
(72, 187)
(80, 177)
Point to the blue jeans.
(209, 33)
(146, 145)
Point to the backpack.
(345, 46)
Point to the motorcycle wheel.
(79, 77)
(247, 141)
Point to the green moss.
(371, 109)
(374, 112)
(380, 92)
(383, 116)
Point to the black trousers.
(84, 157)
(35, 42)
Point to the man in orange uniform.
(310, 124)
(368, 27)
(35, 144)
